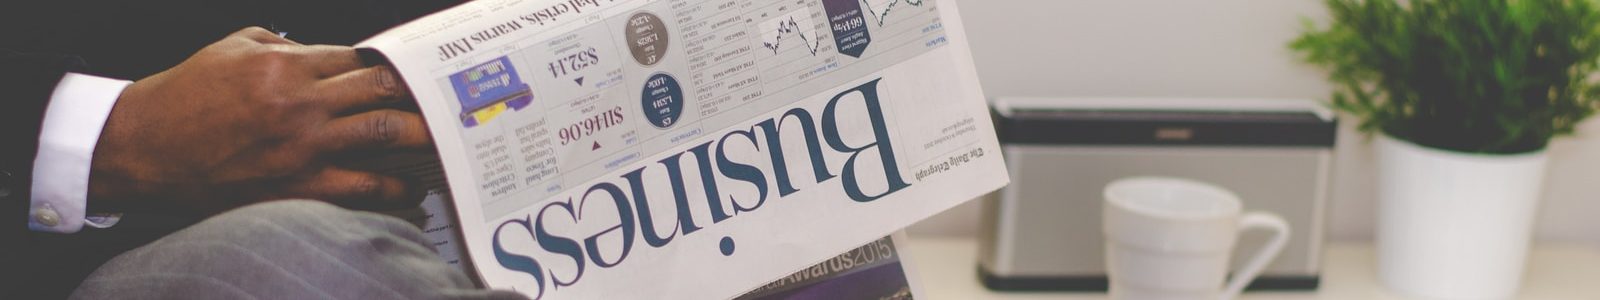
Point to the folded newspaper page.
(691, 149)
(877, 270)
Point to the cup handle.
(1280, 237)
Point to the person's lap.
(285, 250)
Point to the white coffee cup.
(1170, 238)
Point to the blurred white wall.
(1215, 48)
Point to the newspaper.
(690, 149)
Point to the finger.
(365, 87)
(373, 130)
(262, 35)
(356, 190)
(330, 61)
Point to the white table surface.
(947, 266)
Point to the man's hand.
(253, 117)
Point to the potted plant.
(1465, 95)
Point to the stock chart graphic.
(794, 28)
(882, 8)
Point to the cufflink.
(47, 217)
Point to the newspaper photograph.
(689, 149)
(872, 272)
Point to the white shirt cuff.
(72, 123)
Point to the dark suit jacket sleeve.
(26, 82)
(125, 40)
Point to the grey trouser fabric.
(286, 250)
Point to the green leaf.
(1493, 76)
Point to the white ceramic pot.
(1454, 225)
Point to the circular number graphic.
(663, 101)
(647, 38)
